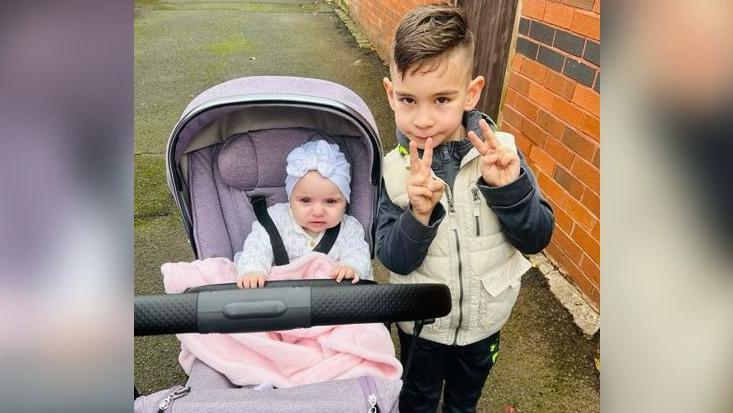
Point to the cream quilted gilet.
(470, 254)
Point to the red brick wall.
(552, 107)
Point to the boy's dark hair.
(426, 35)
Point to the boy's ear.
(388, 88)
(474, 92)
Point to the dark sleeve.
(526, 218)
(402, 240)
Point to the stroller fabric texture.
(282, 358)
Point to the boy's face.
(431, 104)
(317, 203)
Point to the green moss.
(231, 45)
(152, 198)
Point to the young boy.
(455, 209)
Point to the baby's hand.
(341, 272)
(499, 163)
(251, 280)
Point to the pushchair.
(227, 150)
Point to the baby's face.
(317, 203)
(431, 104)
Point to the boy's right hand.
(251, 280)
(423, 190)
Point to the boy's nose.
(422, 119)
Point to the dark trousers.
(464, 370)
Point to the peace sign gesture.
(499, 163)
(423, 190)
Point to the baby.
(318, 187)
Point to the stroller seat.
(225, 177)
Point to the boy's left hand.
(499, 163)
(340, 272)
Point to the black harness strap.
(259, 204)
(328, 239)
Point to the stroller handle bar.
(287, 305)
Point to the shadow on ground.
(182, 48)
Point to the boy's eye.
(332, 201)
(408, 101)
(305, 200)
(442, 100)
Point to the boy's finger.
(435, 186)
(261, 281)
(419, 191)
(480, 146)
(427, 155)
(414, 160)
(355, 280)
(489, 136)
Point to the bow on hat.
(320, 156)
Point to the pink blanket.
(282, 358)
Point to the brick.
(587, 99)
(527, 48)
(579, 212)
(567, 245)
(517, 62)
(524, 26)
(550, 123)
(592, 201)
(591, 270)
(587, 173)
(558, 14)
(592, 126)
(511, 97)
(596, 231)
(559, 152)
(588, 244)
(579, 144)
(569, 42)
(523, 142)
(542, 159)
(534, 132)
(542, 33)
(526, 107)
(540, 95)
(592, 52)
(568, 181)
(550, 58)
(551, 189)
(587, 23)
(512, 117)
(563, 219)
(567, 111)
(579, 71)
(597, 158)
(597, 6)
(519, 83)
(583, 4)
(533, 8)
(560, 84)
(534, 71)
